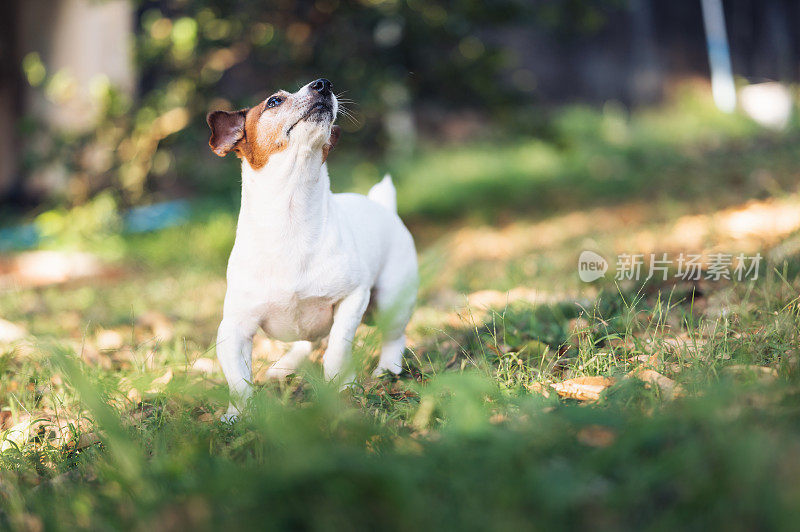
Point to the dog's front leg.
(234, 351)
(346, 319)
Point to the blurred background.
(110, 95)
(494, 117)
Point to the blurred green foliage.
(192, 57)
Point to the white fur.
(306, 263)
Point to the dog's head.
(303, 120)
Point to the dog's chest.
(295, 317)
(294, 301)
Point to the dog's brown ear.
(336, 132)
(227, 130)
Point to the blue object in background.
(137, 220)
(19, 237)
(155, 217)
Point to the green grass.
(117, 425)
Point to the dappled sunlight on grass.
(515, 252)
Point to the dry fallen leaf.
(41, 268)
(134, 396)
(760, 373)
(158, 324)
(90, 354)
(583, 388)
(11, 332)
(684, 342)
(624, 344)
(596, 436)
(498, 418)
(5, 419)
(85, 440)
(579, 331)
(539, 388)
(203, 365)
(16, 436)
(578, 324)
(107, 340)
(668, 387)
(647, 360)
(158, 384)
(267, 349)
(483, 299)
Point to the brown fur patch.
(260, 143)
(336, 132)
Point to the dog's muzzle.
(323, 103)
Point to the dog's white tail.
(384, 193)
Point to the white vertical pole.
(719, 56)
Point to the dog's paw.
(348, 384)
(380, 371)
(231, 416)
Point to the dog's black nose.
(322, 86)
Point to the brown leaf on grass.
(158, 324)
(123, 358)
(42, 268)
(266, 349)
(578, 324)
(30, 522)
(625, 344)
(25, 350)
(647, 360)
(11, 332)
(539, 388)
(16, 436)
(134, 396)
(596, 436)
(91, 355)
(84, 440)
(579, 330)
(203, 365)
(5, 419)
(108, 340)
(668, 387)
(760, 373)
(161, 382)
(47, 425)
(683, 341)
(583, 388)
(496, 299)
(497, 419)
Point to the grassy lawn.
(529, 399)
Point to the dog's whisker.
(349, 115)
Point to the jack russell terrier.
(306, 263)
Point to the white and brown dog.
(306, 262)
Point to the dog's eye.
(274, 101)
